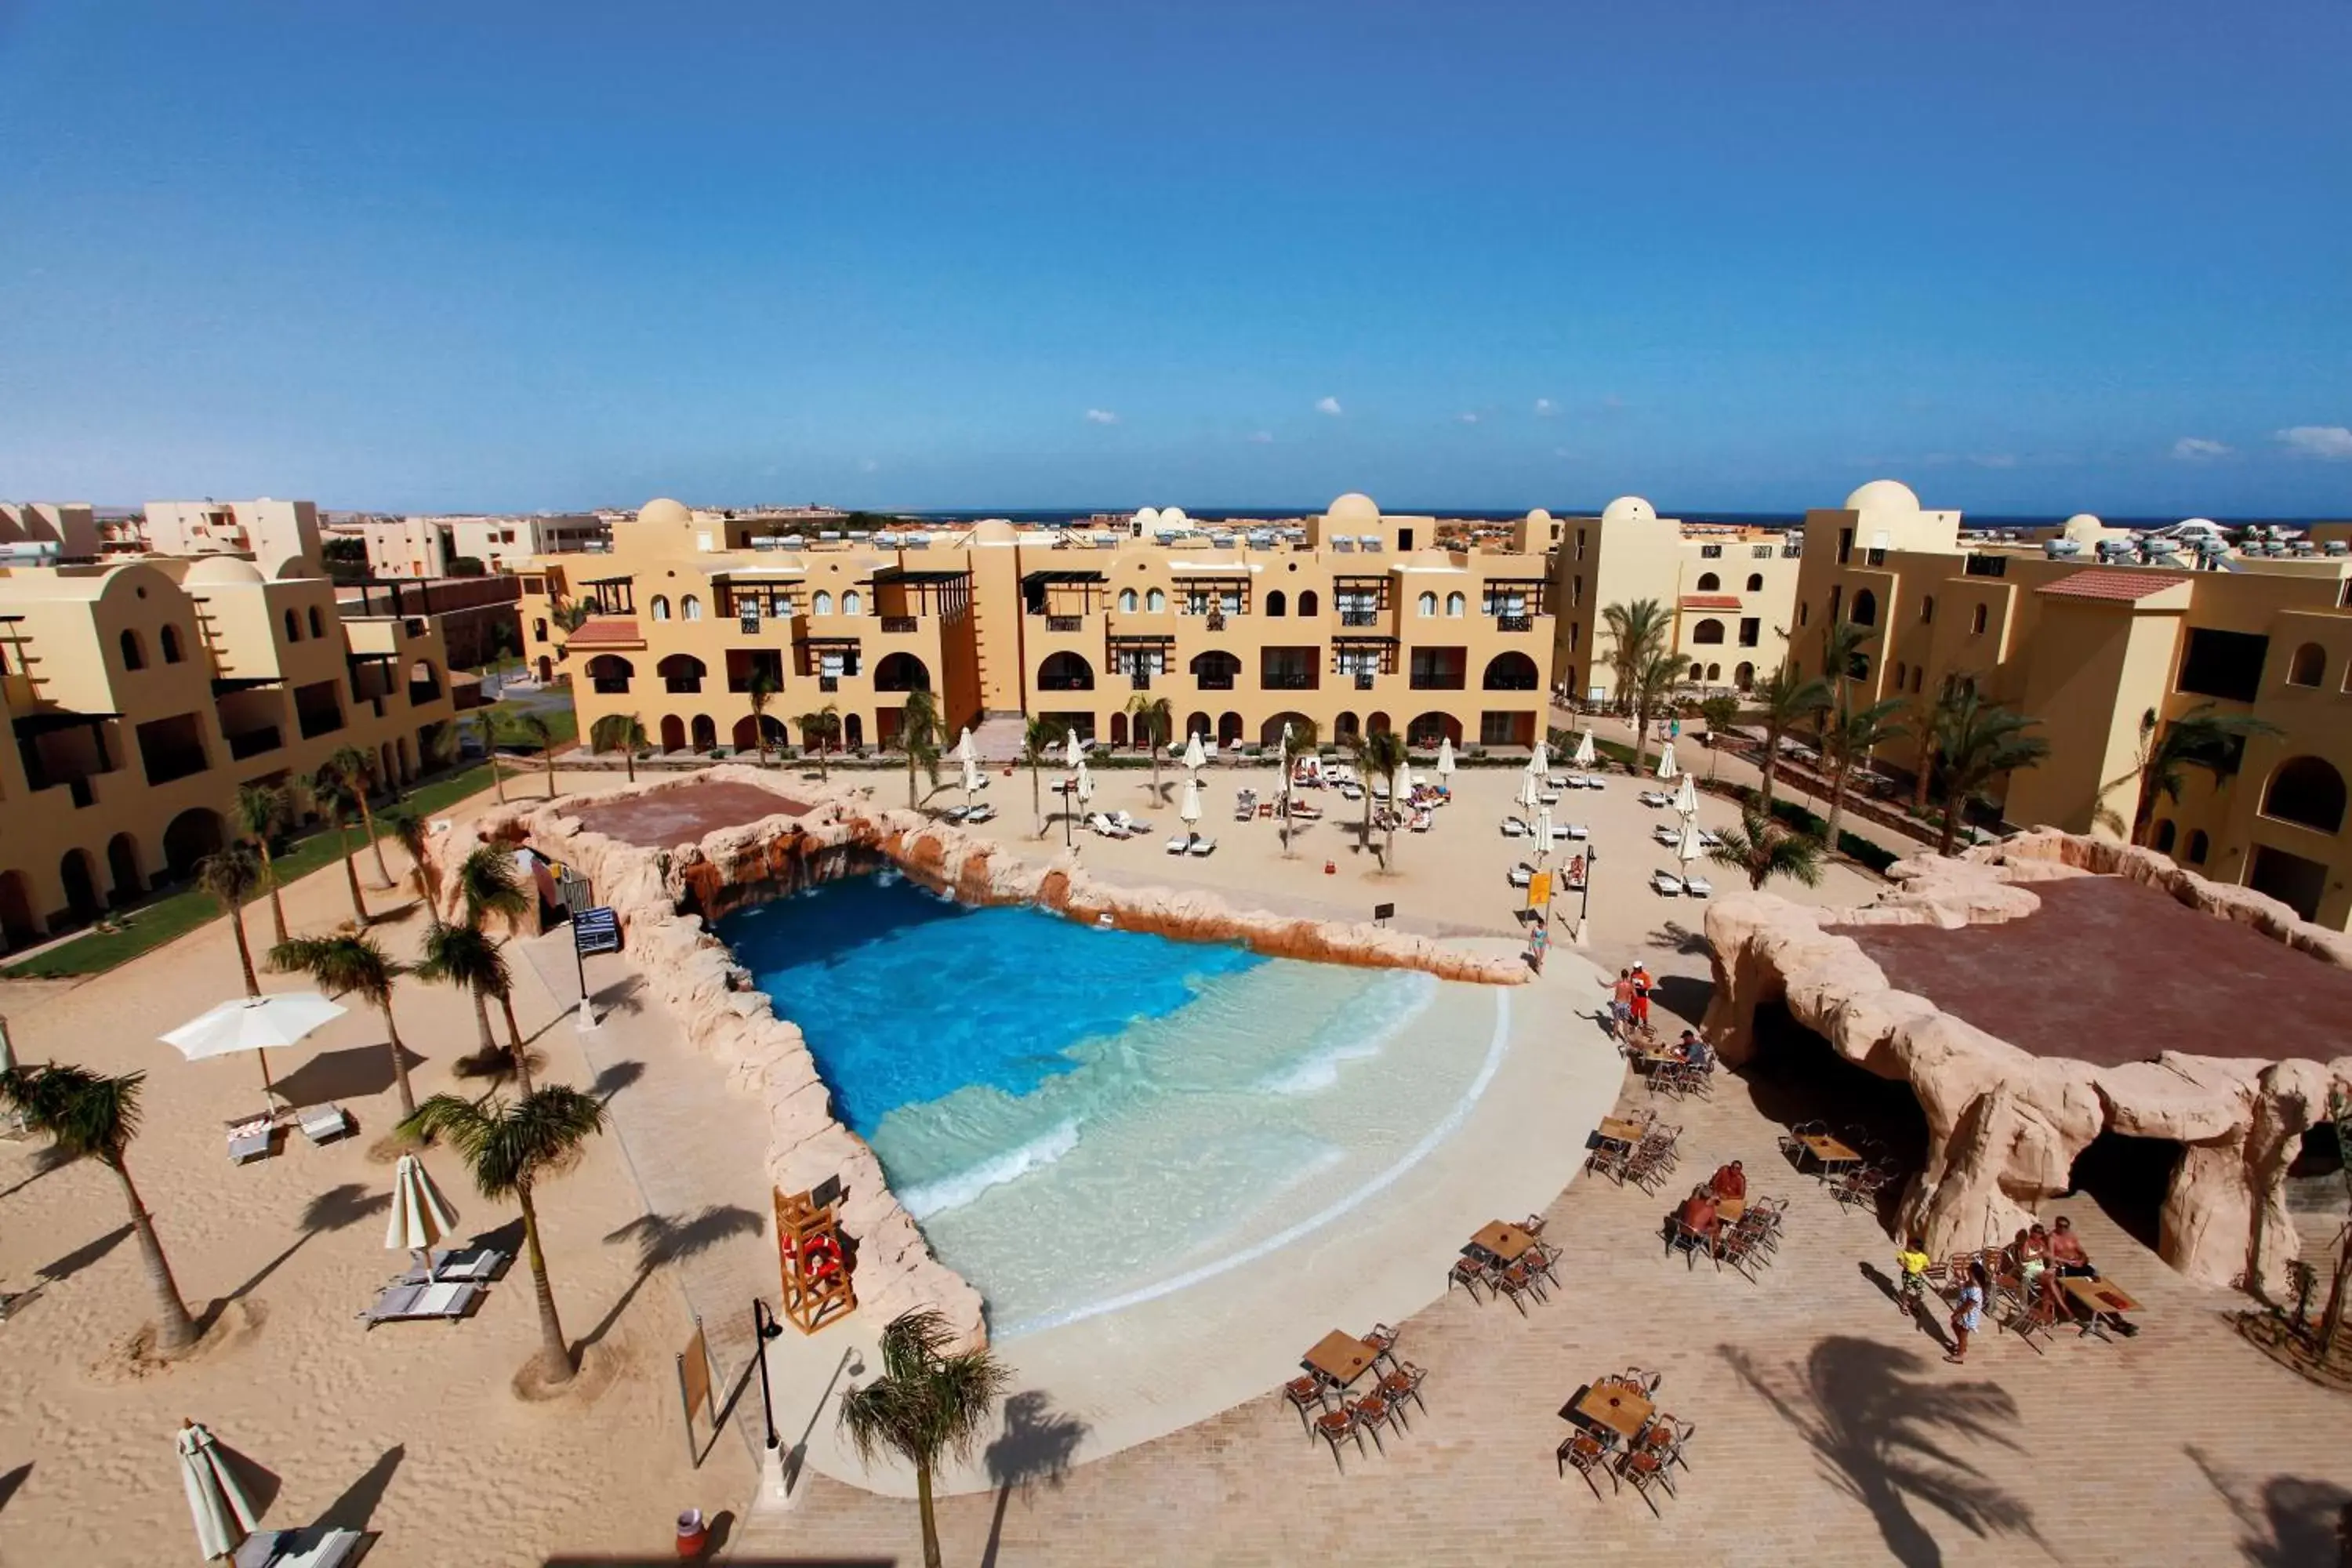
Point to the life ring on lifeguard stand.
(819, 1256)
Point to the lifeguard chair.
(816, 1266)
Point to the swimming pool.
(1080, 1118)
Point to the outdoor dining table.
(1617, 1129)
(1832, 1154)
(1503, 1243)
(1730, 1209)
(1618, 1409)
(2099, 1301)
(1339, 1359)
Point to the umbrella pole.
(268, 1090)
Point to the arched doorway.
(17, 927)
(546, 670)
(1744, 677)
(1865, 608)
(1429, 730)
(705, 733)
(1066, 671)
(1215, 670)
(1377, 724)
(1269, 734)
(407, 760)
(1199, 724)
(2307, 792)
(1118, 728)
(80, 884)
(1512, 671)
(673, 732)
(746, 735)
(192, 835)
(1346, 727)
(852, 730)
(122, 867)
(905, 672)
(1229, 729)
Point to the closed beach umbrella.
(1073, 754)
(1688, 847)
(1539, 759)
(1527, 797)
(254, 1024)
(1188, 809)
(1667, 769)
(1446, 757)
(1085, 784)
(1543, 830)
(1686, 796)
(421, 1217)
(1194, 757)
(964, 750)
(224, 1516)
(971, 774)
(1586, 755)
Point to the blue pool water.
(1155, 1106)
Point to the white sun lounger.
(982, 812)
(1654, 797)
(317, 1547)
(451, 1299)
(1667, 834)
(1180, 844)
(250, 1139)
(1105, 827)
(1514, 828)
(322, 1123)
(1135, 829)
(1665, 883)
(1698, 886)
(1522, 875)
(955, 813)
(452, 1265)
(1204, 846)
(1578, 830)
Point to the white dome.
(1173, 517)
(1883, 495)
(1540, 517)
(665, 511)
(221, 569)
(2200, 523)
(1629, 509)
(1353, 509)
(2082, 527)
(1147, 517)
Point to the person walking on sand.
(1642, 984)
(1912, 1288)
(1967, 1312)
(1621, 1000)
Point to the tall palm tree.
(508, 1149)
(462, 955)
(261, 811)
(1849, 743)
(488, 885)
(929, 1405)
(1721, 712)
(541, 734)
(822, 728)
(2203, 738)
(761, 690)
(485, 727)
(622, 732)
(340, 964)
(359, 768)
(408, 830)
(1384, 753)
(1298, 741)
(333, 796)
(918, 732)
(88, 1115)
(1637, 631)
(1151, 721)
(1655, 679)
(1761, 849)
(1359, 757)
(230, 874)
(1788, 700)
(1037, 743)
(1841, 645)
(1978, 741)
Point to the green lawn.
(150, 925)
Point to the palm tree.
(489, 884)
(261, 811)
(85, 1114)
(1849, 743)
(918, 732)
(486, 726)
(1842, 646)
(508, 1149)
(1788, 700)
(762, 690)
(622, 732)
(821, 729)
(929, 1403)
(1721, 712)
(1151, 721)
(2201, 737)
(359, 768)
(230, 874)
(1761, 849)
(1655, 679)
(340, 964)
(1037, 743)
(408, 830)
(1978, 741)
(540, 734)
(332, 794)
(1637, 630)
(1384, 753)
(463, 955)
(1298, 741)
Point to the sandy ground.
(412, 1430)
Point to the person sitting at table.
(1730, 1181)
(1698, 1212)
(2066, 1254)
(2029, 1258)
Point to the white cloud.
(1328, 406)
(2332, 441)
(1545, 408)
(1259, 437)
(2197, 450)
(1101, 416)
(1466, 418)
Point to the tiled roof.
(1710, 602)
(606, 629)
(2107, 583)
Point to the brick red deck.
(682, 816)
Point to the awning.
(922, 575)
(1361, 637)
(829, 642)
(1214, 568)
(46, 724)
(222, 687)
(1032, 579)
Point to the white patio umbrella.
(223, 1514)
(1539, 759)
(1686, 796)
(254, 1024)
(1188, 808)
(1073, 754)
(1688, 847)
(1444, 758)
(1543, 831)
(1085, 784)
(972, 779)
(1194, 757)
(965, 752)
(1667, 769)
(421, 1217)
(1585, 754)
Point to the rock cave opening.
(1796, 1076)
(2128, 1178)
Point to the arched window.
(1456, 603)
(902, 672)
(690, 608)
(1708, 583)
(318, 626)
(822, 603)
(1127, 601)
(1065, 672)
(1426, 605)
(2307, 791)
(1756, 582)
(610, 673)
(681, 672)
(1927, 608)
(134, 652)
(661, 606)
(851, 605)
(1744, 677)
(1977, 622)
(1865, 607)
(1511, 672)
(293, 627)
(170, 638)
(1154, 601)
(1277, 602)
(1307, 604)
(1695, 673)
(2165, 832)
(2309, 666)
(2199, 847)
(1708, 631)
(1715, 672)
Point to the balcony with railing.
(1510, 621)
(899, 625)
(1358, 617)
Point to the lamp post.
(1069, 807)
(764, 1328)
(1584, 906)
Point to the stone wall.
(2005, 1125)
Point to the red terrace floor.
(682, 816)
(2109, 972)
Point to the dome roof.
(1173, 517)
(1147, 516)
(993, 530)
(1883, 495)
(2083, 526)
(2200, 522)
(1353, 508)
(1540, 517)
(213, 570)
(1629, 509)
(665, 512)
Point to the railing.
(1511, 622)
(1216, 620)
(612, 685)
(748, 625)
(1792, 552)
(1364, 679)
(1066, 683)
(1065, 623)
(1986, 566)
(1511, 683)
(1285, 681)
(685, 685)
(253, 742)
(1141, 677)
(1438, 681)
(828, 683)
(1875, 556)
(897, 623)
(1214, 683)
(1360, 618)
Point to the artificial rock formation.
(2005, 1125)
(667, 896)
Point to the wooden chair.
(1401, 1384)
(1589, 1455)
(1468, 1273)
(1515, 1283)
(1336, 1427)
(1645, 1468)
(1304, 1393)
(1383, 1339)
(1372, 1411)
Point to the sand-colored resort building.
(425, 547)
(2089, 649)
(141, 692)
(1730, 589)
(1355, 622)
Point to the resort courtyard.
(1828, 1429)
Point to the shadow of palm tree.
(13, 1481)
(1038, 1444)
(612, 1079)
(338, 1208)
(46, 1158)
(2292, 1523)
(1877, 1429)
(83, 1257)
(1676, 937)
(664, 1239)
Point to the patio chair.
(1645, 1469)
(1383, 1339)
(1544, 1261)
(1642, 1383)
(324, 1123)
(1468, 1273)
(1372, 1411)
(1793, 1141)
(1738, 1246)
(1401, 1384)
(317, 1546)
(479, 1264)
(1533, 1224)
(254, 1138)
(1335, 1427)
(1303, 1393)
(1589, 1455)
(449, 1300)
(1609, 1159)
(1665, 1435)
(1691, 1242)
(2038, 1316)
(1515, 1283)
(1204, 847)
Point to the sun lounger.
(1514, 828)
(324, 1123)
(411, 1303)
(1134, 829)
(1105, 827)
(1421, 820)
(1351, 792)
(1204, 847)
(1667, 834)
(1654, 797)
(450, 1265)
(980, 812)
(1665, 883)
(1708, 839)
(1548, 797)
(318, 1547)
(955, 813)
(251, 1139)
(1698, 886)
(1578, 830)
(1522, 874)
(1180, 844)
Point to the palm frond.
(84, 1113)
(490, 884)
(506, 1147)
(338, 965)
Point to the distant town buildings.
(428, 547)
(273, 532)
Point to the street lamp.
(764, 1328)
(1069, 807)
(1584, 909)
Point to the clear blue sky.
(2026, 256)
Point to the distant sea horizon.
(1051, 516)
